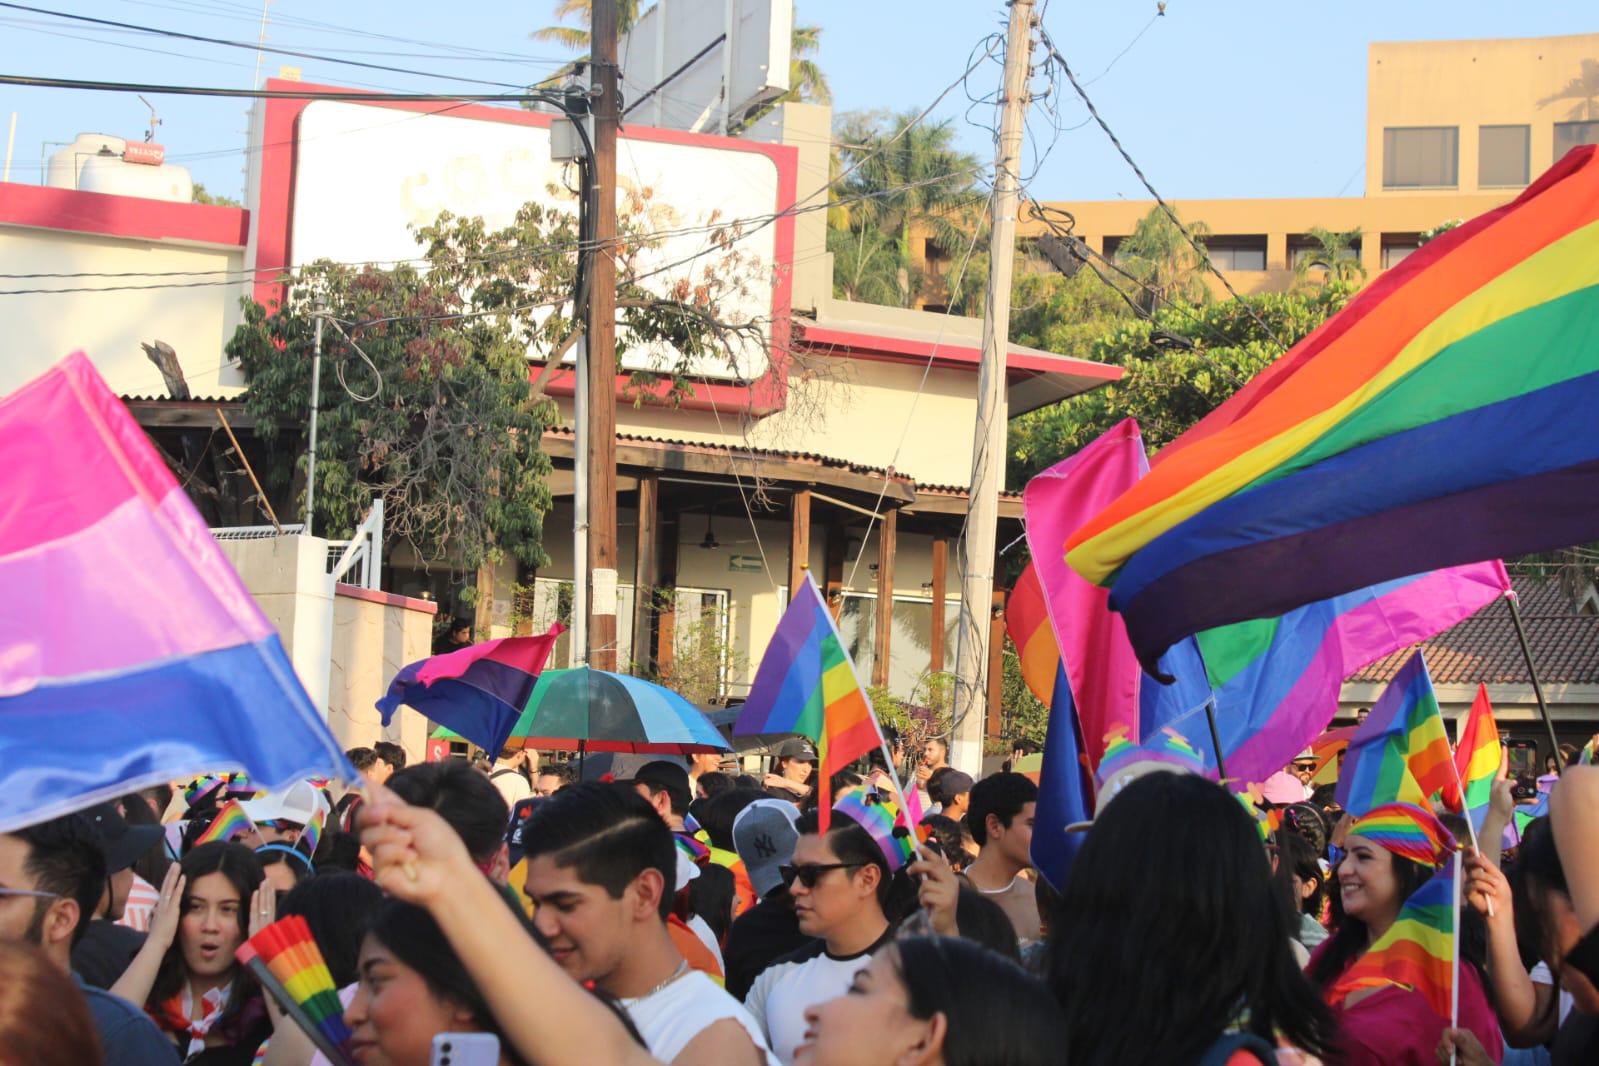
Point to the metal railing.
(357, 561)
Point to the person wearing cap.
(281, 817)
(601, 867)
(764, 836)
(791, 774)
(1390, 852)
(1001, 820)
(840, 881)
(1286, 785)
(106, 947)
(52, 877)
(950, 790)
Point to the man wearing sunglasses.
(839, 882)
(52, 876)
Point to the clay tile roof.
(1563, 638)
(742, 450)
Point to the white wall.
(40, 330)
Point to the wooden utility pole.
(988, 443)
(601, 347)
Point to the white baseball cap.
(300, 803)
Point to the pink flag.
(1100, 663)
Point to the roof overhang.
(1033, 378)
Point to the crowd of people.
(683, 911)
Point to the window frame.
(1388, 156)
(1526, 155)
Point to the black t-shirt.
(104, 952)
(757, 938)
(1577, 1043)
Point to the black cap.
(124, 844)
(662, 775)
(797, 748)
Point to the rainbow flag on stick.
(1418, 951)
(1400, 753)
(286, 960)
(806, 684)
(231, 822)
(1477, 759)
(1445, 416)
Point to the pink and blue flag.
(145, 660)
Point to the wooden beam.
(799, 539)
(955, 503)
(646, 573)
(665, 620)
(996, 666)
(187, 414)
(833, 567)
(940, 575)
(887, 545)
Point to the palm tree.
(1335, 254)
(1163, 260)
(572, 37)
(806, 82)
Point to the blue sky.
(1218, 98)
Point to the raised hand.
(1486, 887)
(168, 908)
(415, 853)
(263, 907)
(939, 890)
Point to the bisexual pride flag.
(140, 656)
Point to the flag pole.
(1537, 686)
(1215, 736)
(1454, 962)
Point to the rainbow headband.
(1408, 831)
(877, 817)
(1166, 746)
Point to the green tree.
(899, 181)
(1336, 255)
(201, 196)
(1166, 265)
(1181, 364)
(577, 37)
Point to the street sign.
(701, 65)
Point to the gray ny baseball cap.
(764, 837)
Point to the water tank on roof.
(98, 162)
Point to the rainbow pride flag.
(1418, 950)
(147, 660)
(1400, 753)
(1477, 759)
(1443, 417)
(806, 684)
(230, 823)
(290, 965)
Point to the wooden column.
(646, 573)
(833, 567)
(996, 666)
(522, 602)
(887, 538)
(799, 539)
(666, 579)
(483, 610)
(940, 572)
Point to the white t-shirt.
(785, 990)
(512, 785)
(1542, 975)
(670, 1018)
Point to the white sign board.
(365, 174)
(716, 58)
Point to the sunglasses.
(809, 874)
(1304, 766)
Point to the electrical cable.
(253, 47)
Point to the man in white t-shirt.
(600, 870)
(510, 775)
(1001, 821)
(839, 881)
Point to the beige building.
(1453, 129)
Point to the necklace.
(682, 968)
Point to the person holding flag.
(1397, 970)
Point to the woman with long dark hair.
(1389, 853)
(1171, 940)
(938, 1001)
(186, 974)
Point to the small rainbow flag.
(879, 818)
(688, 845)
(1400, 753)
(806, 684)
(285, 958)
(230, 822)
(312, 833)
(1477, 759)
(1418, 950)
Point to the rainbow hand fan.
(285, 959)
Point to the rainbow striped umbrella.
(594, 710)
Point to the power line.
(357, 97)
(1164, 206)
(253, 47)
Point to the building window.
(1569, 135)
(1237, 253)
(1397, 246)
(932, 253)
(1111, 245)
(1418, 157)
(1302, 246)
(1502, 156)
(910, 646)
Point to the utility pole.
(600, 348)
(988, 443)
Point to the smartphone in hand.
(465, 1049)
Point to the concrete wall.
(41, 329)
(374, 635)
(288, 577)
